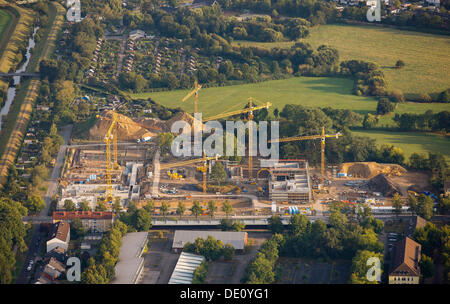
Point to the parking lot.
(160, 259)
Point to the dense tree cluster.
(316, 11)
(351, 233)
(369, 79)
(343, 237)
(421, 205)
(210, 248)
(12, 233)
(100, 269)
(298, 120)
(434, 162)
(261, 269)
(427, 121)
(138, 219)
(419, 18)
(200, 273)
(435, 245)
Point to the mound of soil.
(180, 116)
(153, 124)
(382, 183)
(127, 129)
(371, 169)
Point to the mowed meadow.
(410, 142)
(307, 91)
(5, 18)
(426, 56)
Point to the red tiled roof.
(406, 261)
(62, 231)
(70, 215)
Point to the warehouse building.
(184, 269)
(131, 263)
(237, 239)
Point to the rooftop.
(406, 258)
(61, 231)
(69, 215)
(130, 260)
(185, 267)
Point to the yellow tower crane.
(111, 135)
(194, 92)
(322, 137)
(248, 110)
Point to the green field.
(410, 142)
(427, 56)
(307, 91)
(5, 18)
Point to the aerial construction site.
(123, 160)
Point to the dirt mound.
(382, 183)
(127, 129)
(371, 169)
(152, 124)
(180, 116)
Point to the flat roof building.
(131, 263)
(237, 239)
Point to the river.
(12, 89)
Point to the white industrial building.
(131, 263)
(184, 269)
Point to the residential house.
(54, 269)
(405, 264)
(95, 221)
(60, 237)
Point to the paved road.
(53, 182)
(38, 240)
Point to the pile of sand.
(371, 169)
(180, 116)
(152, 124)
(382, 183)
(127, 129)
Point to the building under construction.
(84, 176)
(289, 181)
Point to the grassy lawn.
(5, 18)
(308, 91)
(426, 55)
(410, 142)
